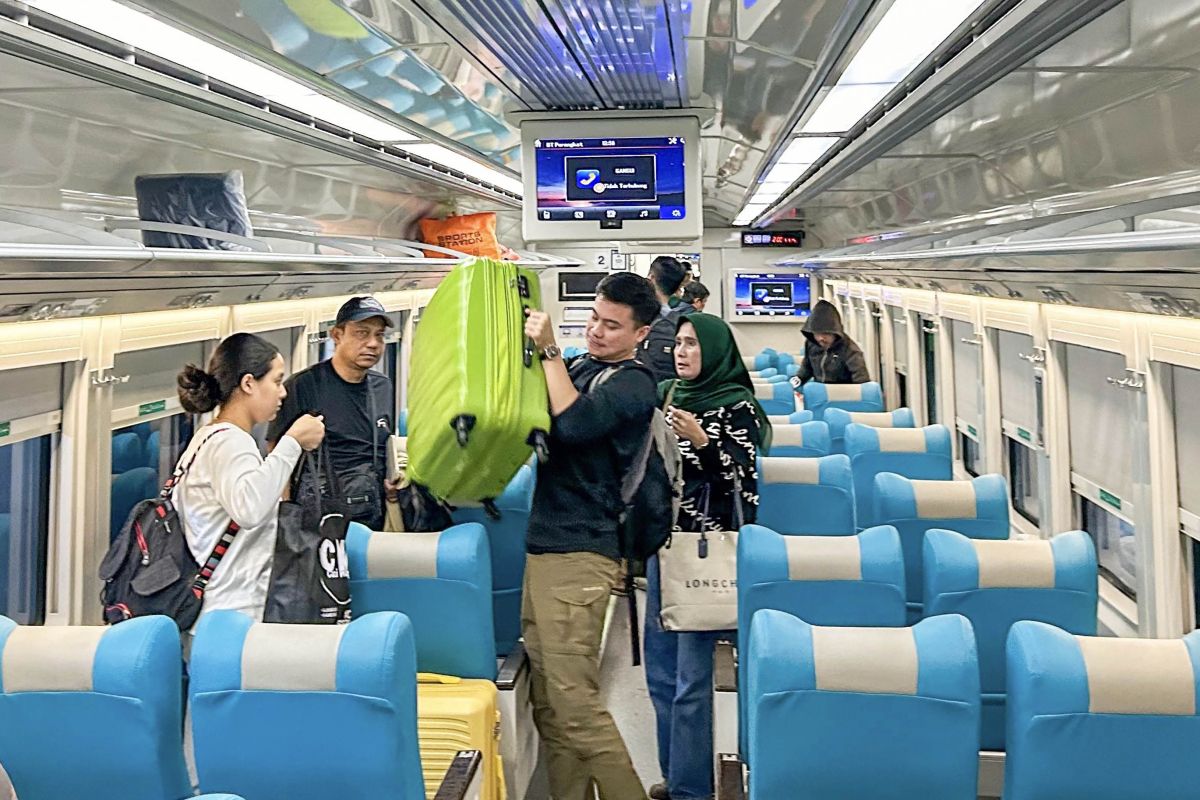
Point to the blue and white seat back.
(976, 508)
(847, 396)
(862, 713)
(783, 361)
(809, 440)
(442, 581)
(813, 496)
(1102, 718)
(838, 419)
(918, 453)
(293, 710)
(764, 360)
(93, 711)
(794, 418)
(776, 398)
(506, 542)
(996, 584)
(823, 580)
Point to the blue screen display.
(771, 294)
(617, 178)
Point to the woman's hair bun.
(199, 392)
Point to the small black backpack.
(149, 568)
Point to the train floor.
(623, 687)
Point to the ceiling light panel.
(151, 35)
(807, 149)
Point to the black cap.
(356, 309)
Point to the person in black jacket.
(601, 406)
(830, 356)
(658, 350)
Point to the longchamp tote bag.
(698, 577)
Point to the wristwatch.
(551, 351)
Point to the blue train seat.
(976, 508)
(128, 489)
(506, 541)
(1101, 718)
(806, 496)
(995, 584)
(839, 418)
(128, 452)
(442, 581)
(808, 440)
(824, 580)
(921, 453)
(862, 713)
(93, 711)
(306, 712)
(776, 398)
(846, 396)
(150, 450)
(794, 418)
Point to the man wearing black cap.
(357, 403)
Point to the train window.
(1187, 437)
(877, 329)
(1023, 480)
(1098, 421)
(1116, 545)
(900, 338)
(30, 417)
(972, 462)
(929, 352)
(389, 364)
(966, 377)
(1018, 403)
(149, 428)
(902, 388)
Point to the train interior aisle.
(974, 570)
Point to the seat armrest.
(724, 668)
(510, 670)
(464, 779)
(731, 781)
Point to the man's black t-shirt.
(354, 419)
(577, 500)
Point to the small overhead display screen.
(776, 239)
(591, 178)
(628, 178)
(770, 295)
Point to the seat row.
(894, 713)
(859, 581)
(305, 712)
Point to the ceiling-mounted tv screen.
(611, 179)
(762, 296)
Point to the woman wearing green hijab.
(721, 429)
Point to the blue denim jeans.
(679, 671)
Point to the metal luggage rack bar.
(84, 243)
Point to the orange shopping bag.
(473, 234)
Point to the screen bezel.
(730, 306)
(689, 228)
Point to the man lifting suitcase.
(573, 553)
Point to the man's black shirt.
(577, 500)
(352, 425)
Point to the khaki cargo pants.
(562, 619)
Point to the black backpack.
(149, 568)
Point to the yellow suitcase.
(458, 714)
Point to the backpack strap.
(223, 542)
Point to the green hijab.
(723, 379)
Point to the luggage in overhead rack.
(477, 399)
(456, 714)
(213, 201)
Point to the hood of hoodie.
(824, 318)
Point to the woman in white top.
(229, 479)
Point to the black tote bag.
(310, 575)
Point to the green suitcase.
(477, 400)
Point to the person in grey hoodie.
(830, 356)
